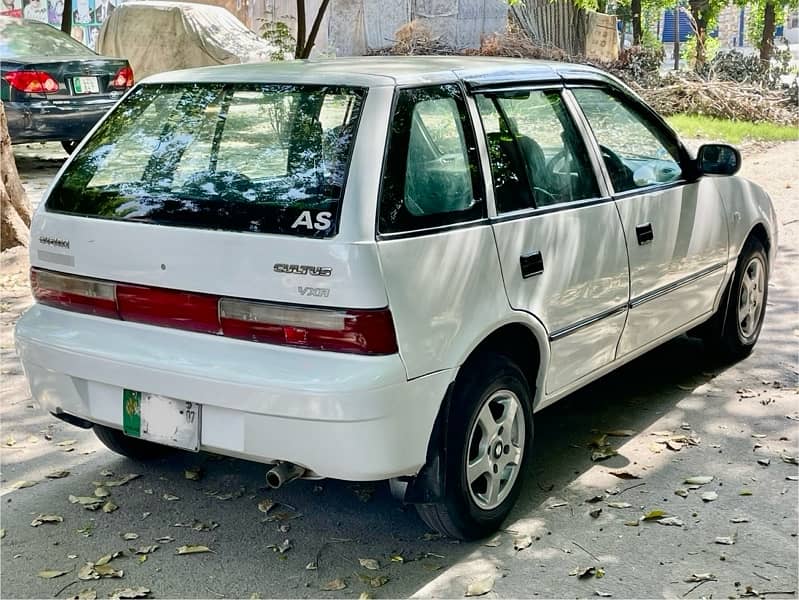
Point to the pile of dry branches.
(720, 99)
(684, 93)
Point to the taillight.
(168, 308)
(358, 331)
(339, 330)
(74, 293)
(32, 82)
(123, 78)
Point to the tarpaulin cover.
(158, 36)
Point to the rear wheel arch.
(523, 346)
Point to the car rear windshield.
(234, 157)
(23, 40)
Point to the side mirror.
(718, 159)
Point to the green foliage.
(733, 132)
(688, 49)
(279, 35)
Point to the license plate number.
(86, 85)
(162, 420)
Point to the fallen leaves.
(57, 475)
(101, 492)
(619, 504)
(282, 547)
(170, 497)
(191, 549)
(699, 480)
(130, 536)
(109, 507)
(586, 572)
(522, 542)
(369, 563)
(198, 525)
(193, 473)
(654, 515)
(672, 521)
(20, 485)
(334, 585)
(138, 592)
(624, 475)
(727, 540)
(709, 496)
(46, 519)
(480, 587)
(87, 594)
(601, 448)
(117, 482)
(791, 460)
(87, 502)
(697, 577)
(51, 574)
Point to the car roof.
(374, 71)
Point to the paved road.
(737, 413)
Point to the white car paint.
(370, 417)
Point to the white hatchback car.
(379, 268)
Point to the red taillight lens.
(32, 82)
(123, 78)
(168, 308)
(354, 331)
(74, 293)
(358, 331)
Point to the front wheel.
(488, 445)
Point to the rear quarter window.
(255, 158)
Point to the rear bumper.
(339, 415)
(44, 121)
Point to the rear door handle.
(531, 264)
(644, 233)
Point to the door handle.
(644, 233)
(531, 264)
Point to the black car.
(53, 87)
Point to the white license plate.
(86, 85)
(162, 420)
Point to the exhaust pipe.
(282, 473)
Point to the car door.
(674, 224)
(560, 241)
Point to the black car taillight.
(123, 78)
(32, 82)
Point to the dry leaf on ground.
(193, 474)
(47, 519)
(480, 587)
(19, 485)
(522, 542)
(699, 480)
(139, 592)
(696, 577)
(191, 549)
(624, 475)
(619, 504)
(87, 594)
(51, 574)
(109, 507)
(369, 563)
(57, 475)
(334, 585)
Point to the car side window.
(538, 157)
(431, 175)
(636, 151)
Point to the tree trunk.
(767, 39)
(621, 35)
(66, 17)
(635, 9)
(15, 210)
(699, 12)
(317, 22)
(300, 29)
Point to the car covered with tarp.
(166, 36)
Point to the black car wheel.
(488, 446)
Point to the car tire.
(69, 145)
(489, 438)
(746, 307)
(118, 442)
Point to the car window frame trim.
(484, 218)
